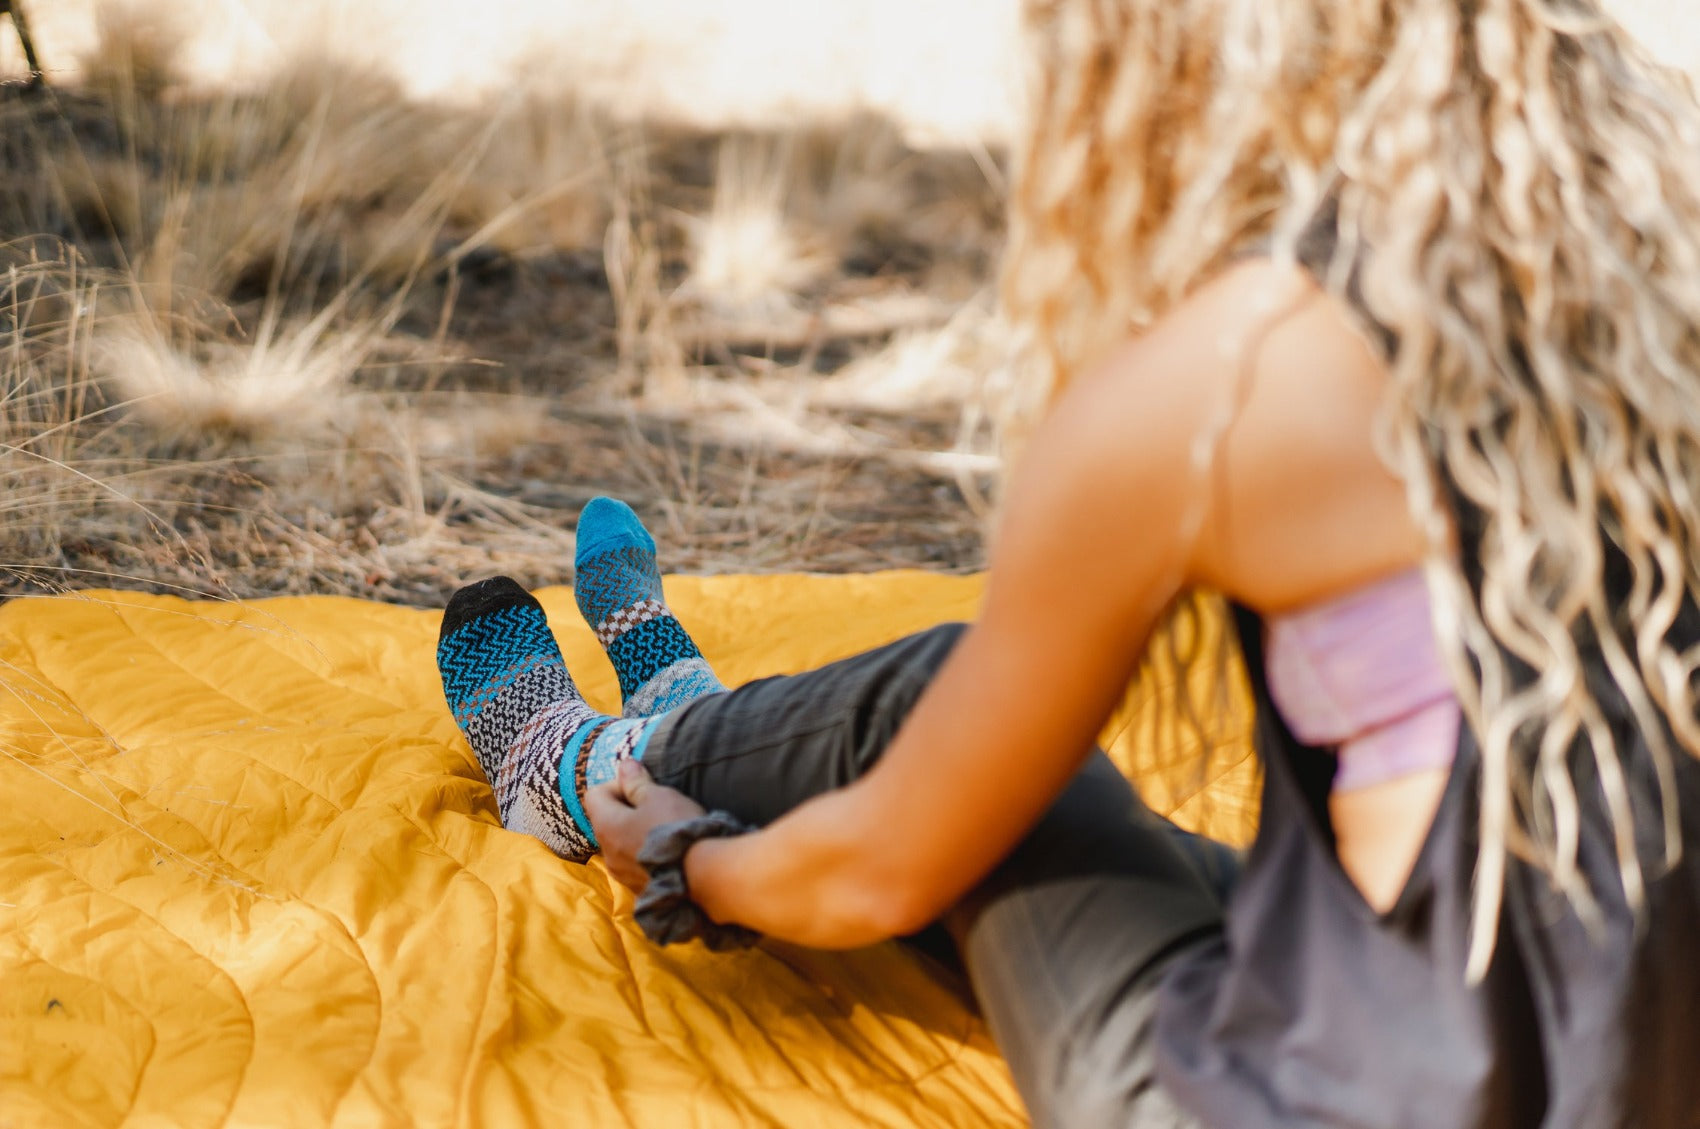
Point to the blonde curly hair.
(1515, 190)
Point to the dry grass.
(321, 335)
(747, 255)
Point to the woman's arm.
(1098, 536)
(1095, 543)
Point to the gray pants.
(1063, 944)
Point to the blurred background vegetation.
(370, 297)
(337, 299)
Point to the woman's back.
(1298, 510)
(1339, 994)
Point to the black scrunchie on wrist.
(664, 910)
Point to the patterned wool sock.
(540, 745)
(618, 589)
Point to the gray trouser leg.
(1064, 942)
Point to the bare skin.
(1113, 512)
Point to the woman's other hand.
(624, 812)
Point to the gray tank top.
(1311, 1009)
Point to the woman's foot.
(617, 584)
(540, 745)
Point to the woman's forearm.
(810, 879)
(974, 765)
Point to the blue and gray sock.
(618, 589)
(540, 745)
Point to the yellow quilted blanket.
(250, 875)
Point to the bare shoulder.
(1252, 405)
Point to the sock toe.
(608, 523)
(614, 568)
(481, 599)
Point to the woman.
(1379, 319)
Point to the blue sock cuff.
(565, 782)
(618, 739)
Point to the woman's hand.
(624, 812)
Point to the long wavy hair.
(1515, 188)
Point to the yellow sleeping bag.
(250, 874)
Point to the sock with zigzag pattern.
(540, 745)
(617, 585)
